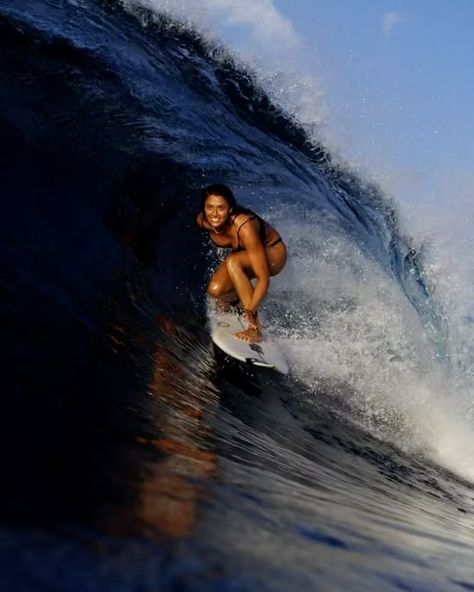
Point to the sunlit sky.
(396, 79)
(399, 77)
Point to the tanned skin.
(233, 275)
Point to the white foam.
(358, 334)
(357, 337)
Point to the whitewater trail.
(136, 456)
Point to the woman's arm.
(258, 261)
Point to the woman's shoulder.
(243, 216)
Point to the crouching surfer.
(257, 251)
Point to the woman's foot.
(250, 335)
(253, 334)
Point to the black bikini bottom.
(278, 240)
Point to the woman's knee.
(232, 263)
(215, 289)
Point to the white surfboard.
(266, 354)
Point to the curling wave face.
(111, 122)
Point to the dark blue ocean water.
(134, 456)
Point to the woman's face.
(216, 210)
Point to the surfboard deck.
(265, 354)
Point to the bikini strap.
(244, 222)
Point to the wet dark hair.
(221, 190)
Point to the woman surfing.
(258, 251)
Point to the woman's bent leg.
(238, 270)
(234, 275)
(220, 285)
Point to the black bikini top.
(262, 231)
